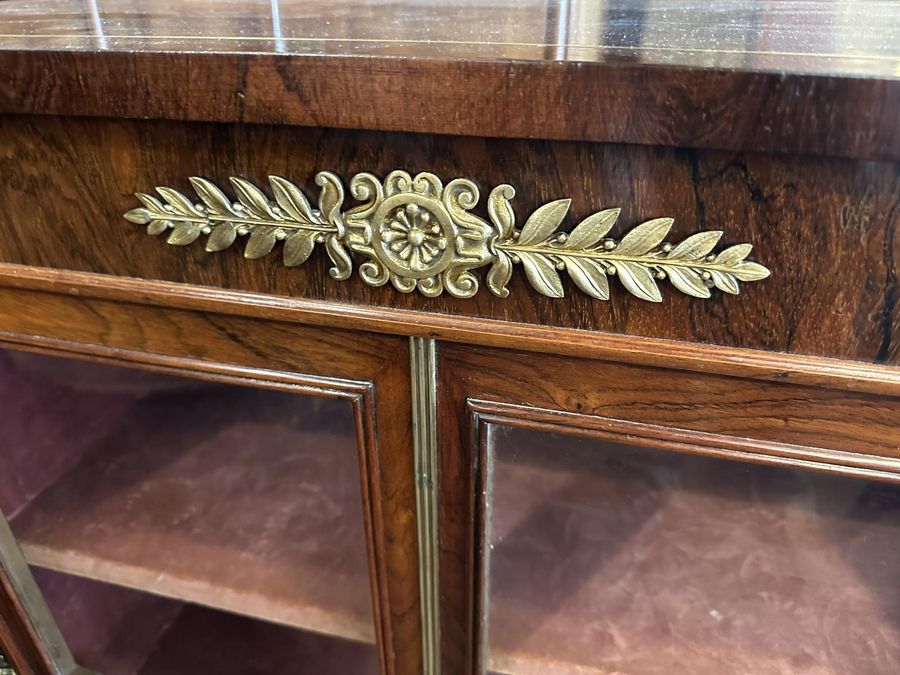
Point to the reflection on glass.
(613, 558)
(234, 498)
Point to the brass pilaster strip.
(423, 365)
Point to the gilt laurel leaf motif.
(734, 254)
(645, 237)
(253, 199)
(638, 280)
(544, 221)
(725, 282)
(421, 234)
(542, 275)
(298, 247)
(158, 227)
(688, 281)
(151, 203)
(589, 276)
(592, 229)
(216, 200)
(184, 234)
(179, 203)
(291, 199)
(261, 242)
(223, 236)
(697, 245)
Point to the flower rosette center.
(414, 235)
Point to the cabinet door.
(643, 521)
(210, 501)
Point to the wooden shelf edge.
(310, 618)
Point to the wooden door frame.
(835, 429)
(370, 371)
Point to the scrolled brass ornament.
(420, 234)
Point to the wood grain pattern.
(18, 639)
(781, 424)
(794, 77)
(771, 366)
(745, 112)
(372, 371)
(827, 230)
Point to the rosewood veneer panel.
(792, 76)
(826, 229)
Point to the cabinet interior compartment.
(189, 501)
(606, 557)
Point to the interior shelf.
(233, 498)
(118, 631)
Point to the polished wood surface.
(756, 364)
(826, 36)
(773, 121)
(779, 424)
(825, 229)
(370, 371)
(801, 77)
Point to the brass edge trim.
(421, 235)
(485, 447)
(423, 365)
(792, 368)
(52, 643)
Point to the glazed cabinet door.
(196, 493)
(628, 519)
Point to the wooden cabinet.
(178, 486)
(405, 339)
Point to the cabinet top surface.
(857, 38)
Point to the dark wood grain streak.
(827, 230)
(747, 112)
(778, 423)
(371, 370)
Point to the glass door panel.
(183, 526)
(602, 558)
